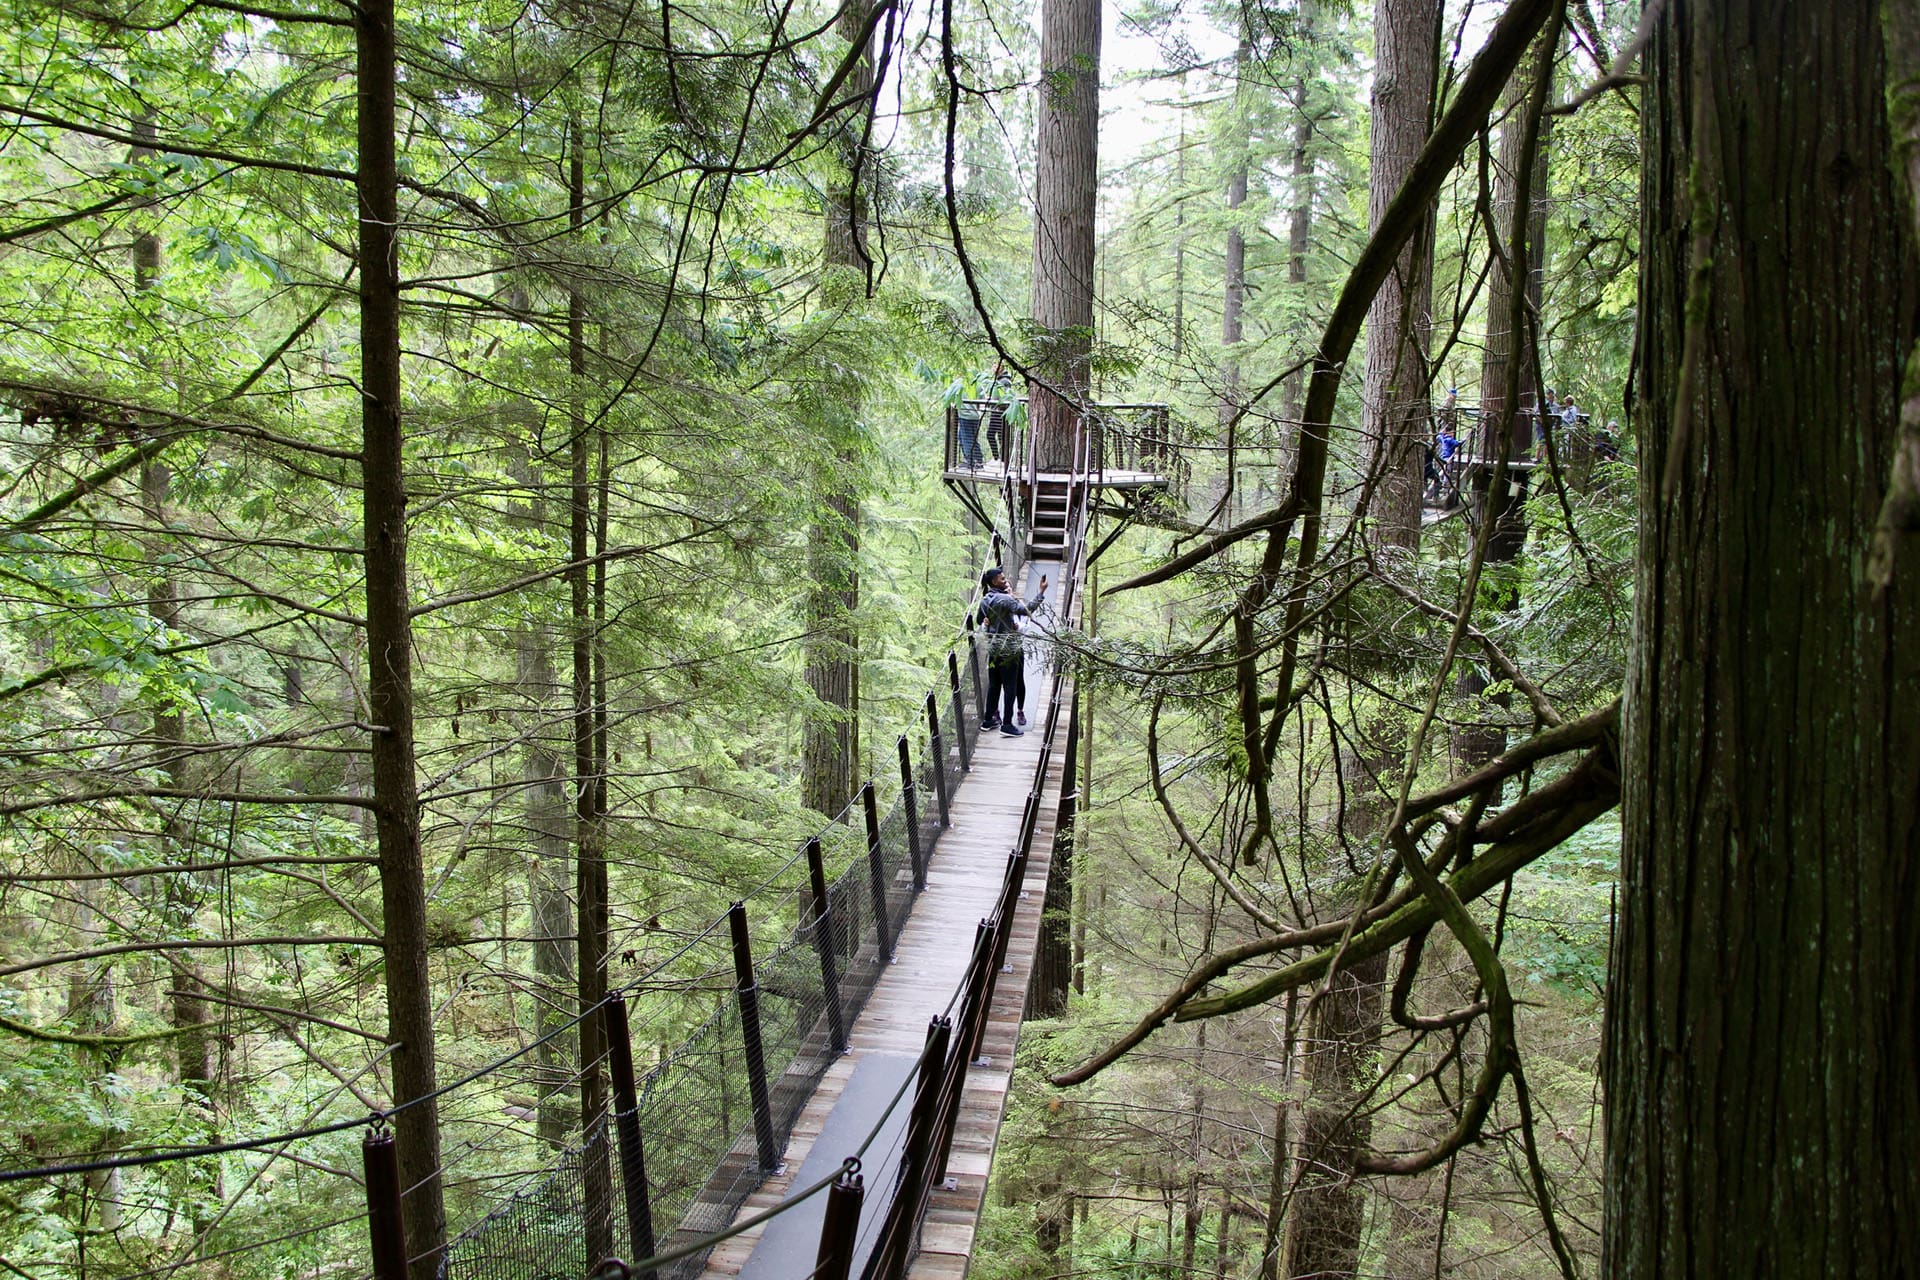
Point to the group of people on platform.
(1575, 435)
(982, 415)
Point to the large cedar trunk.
(1406, 46)
(830, 750)
(1066, 179)
(403, 891)
(1763, 1089)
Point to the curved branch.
(1214, 869)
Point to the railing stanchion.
(973, 666)
(894, 1244)
(910, 800)
(877, 873)
(823, 943)
(839, 1231)
(972, 1011)
(959, 712)
(937, 757)
(749, 992)
(386, 1231)
(1009, 898)
(626, 1123)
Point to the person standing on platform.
(1006, 653)
(997, 391)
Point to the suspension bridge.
(835, 1113)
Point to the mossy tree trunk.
(1763, 1091)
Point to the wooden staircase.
(1047, 540)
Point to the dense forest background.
(472, 507)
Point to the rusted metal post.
(877, 873)
(823, 943)
(937, 757)
(386, 1232)
(840, 1231)
(959, 713)
(626, 1124)
(749, 992)
(910, 801)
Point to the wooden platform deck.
(992, 472)
(963, 879)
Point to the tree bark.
(1510, 361)
(830, 746)
(1066, 184)
(403, 891)
(1763, 1092)
(590, 860)
(1233, 292)
(1395, 396)
(1299, 220)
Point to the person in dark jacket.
(1006, 655)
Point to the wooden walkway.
(963, 879)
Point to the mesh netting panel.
(794, 1030)
(896, 864)
(929, 799)
(972, 692)
(950, 738)
(856, 934)
(547, 1231)
(696, 1121)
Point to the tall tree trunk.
(1279, 1188)
(1066, 186)
(1343, 1028)
(1299, 217)
(403, 891)
(193, 1048)
(830, 750)
(1763, 1091)
(1329, 1207)
(1233, 292)
(590, 858)
(1395, 396)
(543, 777)
(1509, 362)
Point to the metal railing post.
(923, 1122)
(959, 715)
(877, 873)
(937, 757)
(1009, 897)
(903, 1215)
(749, 992)
(964, 1037)
(626, 1123)
(973, 665)
(910, 800)
(838, 1232)
(823, 943)
(387, 1233)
